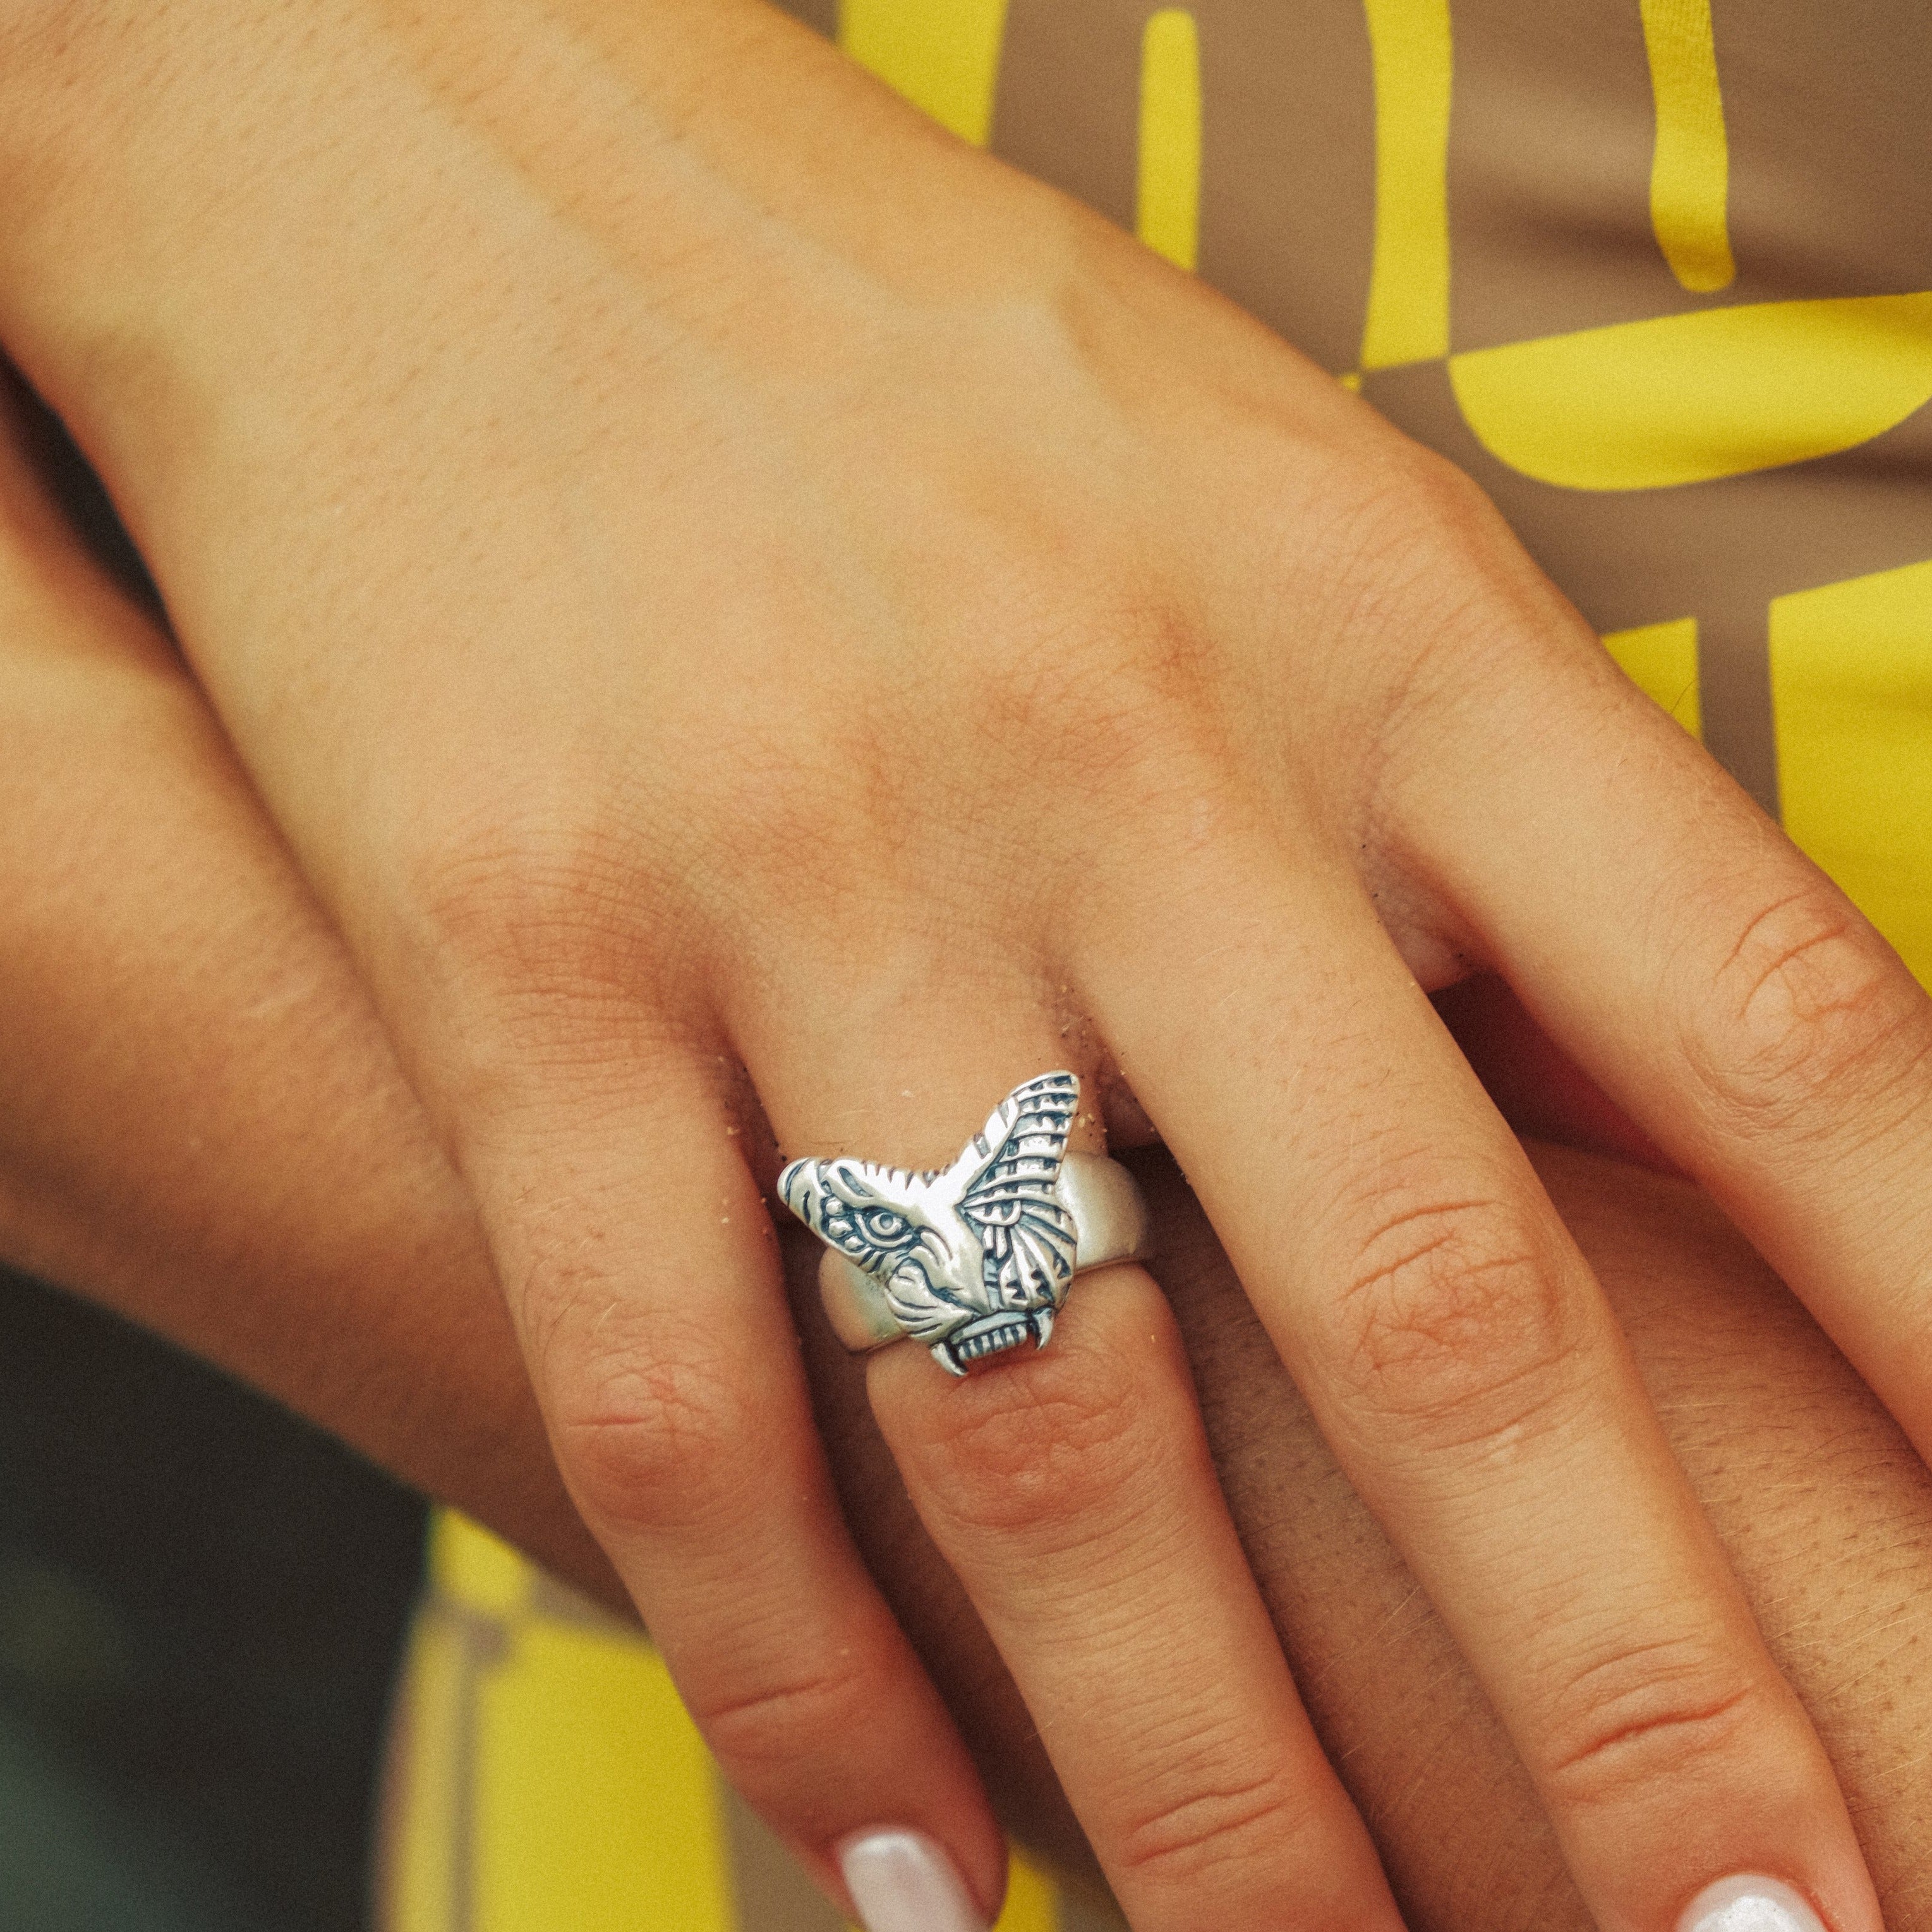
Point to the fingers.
(1789, 1457)
(1070, 1488)
(636, 1252)
(1462, 1362)
(1073, 1495)
(641, 1272)
(1726, 994)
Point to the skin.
(311, 1236)
(687, 557)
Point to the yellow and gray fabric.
(1658, 274)
(544, 1778)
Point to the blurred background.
(202, 1602)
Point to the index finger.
(1724, 992)
(1463, 1365)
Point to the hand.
(696, 593)
(311, 1236)
(327, 1254)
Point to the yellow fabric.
(1033, 1901)
(547, 1777)
(943, 55)
(1661, 661)
(1690, 171)
(1851, 679)
(472, 1567)
(1168, 205)
(429, 1755)
(595, 1805)
(1410, 46)
(1686, 398)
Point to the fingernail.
(1749, 1903)
(902, 1881)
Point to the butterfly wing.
(1027, 1238)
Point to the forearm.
(200, 1123)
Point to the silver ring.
(976, 1257)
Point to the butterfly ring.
(975, 1257)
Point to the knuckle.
(777, 806)
(1056, 1444)
(1203, 1838)
(652, 1446)
(761, 1729)
(1407, 526)
(1810, 1004)
(519, 908)
(1657, 1712)
(1092, 686)
(1072, 710)
(1447, 509)
(1453, 1322)
(1093, 694)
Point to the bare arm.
(200, 1123)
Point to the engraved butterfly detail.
(976, 1257)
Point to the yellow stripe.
(1661, 661)
(1033, 1901)
(474, 1569)
(1168, 207)
(423, 1834)
(1409, 278)
(595, 1808)
(943, 55)
(1714, 392)
(1851, 687)
(1689, 167)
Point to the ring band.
(976, 1258)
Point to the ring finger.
(1070, 1488)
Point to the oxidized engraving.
(975, 1257)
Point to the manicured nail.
(1749, 1903)
(902, 1881)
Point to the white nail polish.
(1749, 1903)
(902, 1881)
